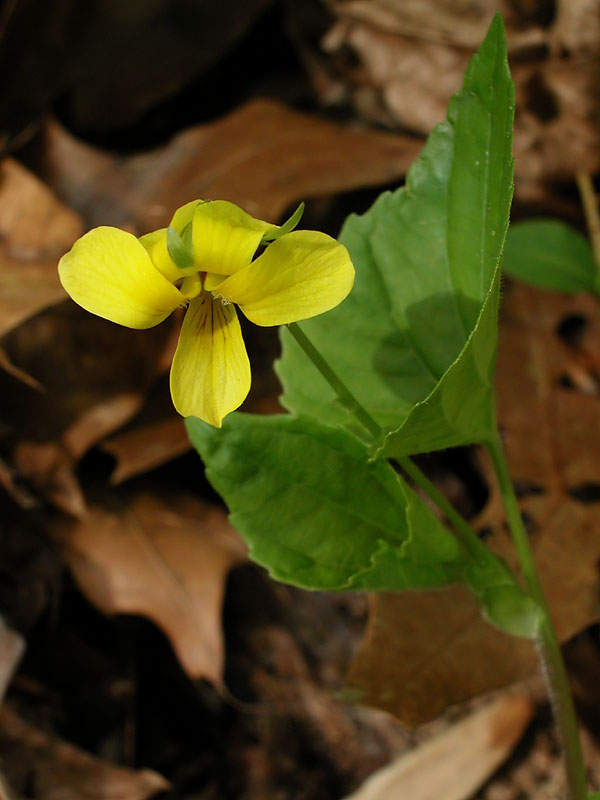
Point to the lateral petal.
(109, 273)
(210, 375)
(225, 237)
(298, 276)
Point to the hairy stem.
(467, 535)
(345, 396)
(548, 646)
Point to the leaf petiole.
(466, 534)
(548, 646)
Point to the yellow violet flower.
(206, 260)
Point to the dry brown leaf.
(146, 447)
(577, 26)
(12, 647)
(462, 24)
(26, 287)
(165, 561)
(443, 767)
(86, 366)
(98, 420)
(439, 651)
(443, 652)
(95, 377)
(41, 766)
(35, 229)
(412, 55)
(50, 466)
(33, 223)
(51, 470)
(262, 156)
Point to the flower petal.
(225, 237)
(212, 281)
(210, 375)
(109, 273)
(298, 276)
(156, 244)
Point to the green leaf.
(552, 255)
(317, 512)
(415, 341)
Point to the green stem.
(548, 646)
(466, 534)
(345, 396)
(590, 209)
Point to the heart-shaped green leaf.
(415, 341)
(319, 513)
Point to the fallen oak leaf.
(143, 448)
(442, 651)
(33, 222)
(51, 466)
(439, 652)
(167, 562)
(95, 376)
(50, 469)
(98, 420)
(35, 230)
(255, 156)
(83, 362)
(26, 287)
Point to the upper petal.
(298, 276)
(210, 375)
(156, 243)
(109, 273)
(225, 237)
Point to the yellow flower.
(206, 260)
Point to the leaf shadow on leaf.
(399, 347)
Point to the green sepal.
(180, 247)
(287, 227)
